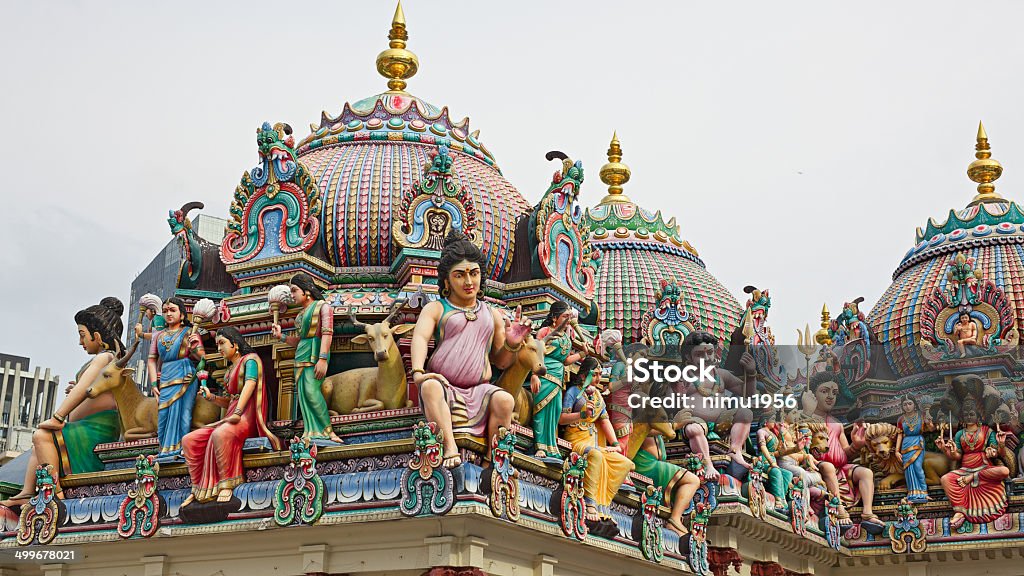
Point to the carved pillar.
(767, 569)
(454, 571)
(720, 559)
(284, 366)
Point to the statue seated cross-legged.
(706, 414)
(850, 481)
(589, 430)
(469, 336)
(67, 440)
(976, 489)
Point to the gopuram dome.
(648, 275)
(977, 251)
(375, 149)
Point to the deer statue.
(529, 360)
(138, 412)
(368, 389)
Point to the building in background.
(160, 277)
(28, 399)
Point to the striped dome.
(376, 149)
(638, 250)
(992, 233)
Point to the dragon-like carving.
(560, 234)
(279, 198)
(668, 322)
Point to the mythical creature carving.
(668, 323)
(435, 206)
(426, 484)
(560, 234)
(905, 532)
(139, 513)
(881, 455)
(278, 198)
(299, 497)
(41, 516)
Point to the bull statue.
(138, 412)
(383, 387)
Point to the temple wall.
(411, 548)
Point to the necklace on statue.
(469, 311)
(168, 336)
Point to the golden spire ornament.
(396, 63)
(615, 174)
(821, 336)
(984, 170)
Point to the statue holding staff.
(314, 330)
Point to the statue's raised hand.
(747, 363)
(516, 331)
(859, 434)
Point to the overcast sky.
(799, 144)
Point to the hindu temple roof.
(638, 250)
(377, 148)
(989, 229)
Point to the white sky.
(799, 144)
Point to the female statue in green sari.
(314, 330)
(547, 390)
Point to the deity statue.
(619, 385)
(314, 330)
(589, 430)
(547, 389)
(976, 489)
(456, 392)
(842, 477)
(173, 376)
(700, 421)
(67, 440)
(965, 333)
(795, 456)
(912, 425)
(647, 450)
(771, 446)
(213, 453)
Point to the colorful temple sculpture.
(396, 363)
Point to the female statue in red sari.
(214, 452)
(976, 489)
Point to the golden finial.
(396, 63)
(615, 174)
(984, 170)
(821, 336)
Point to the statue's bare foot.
(16, 500)
(710, 473)
(191, 498)
(452, 460)
(870, 519)
(540, 454)
(336, 439)
(677, 527)
(957, 520)
(738, 458)
(224, 495)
